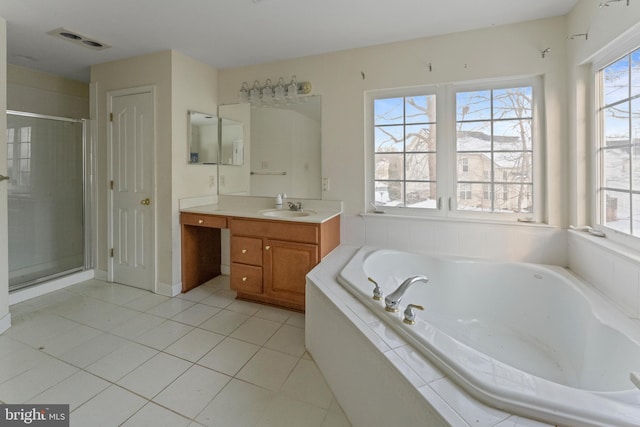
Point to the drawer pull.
(267, 247)
(201, 221)
(244, 251)
(244, 279)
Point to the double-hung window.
(618, 139)
(480, 161)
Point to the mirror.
(231, 142)
(282, 146)
(203, 138)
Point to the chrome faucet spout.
(392, 301)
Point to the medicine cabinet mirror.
(203, 138)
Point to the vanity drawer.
(202, 220)
(246, 250)
(246, 278)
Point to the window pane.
(635, 73)
(514, 198)
(617, 211)
(635, 172)
(421, 167)
(512, 135)
(616, 168)
(421, 195)
(471, 198)
(389, 139)
(420, 109)
(389, 193)
(388, 111)
(474, 167)
(421, 138)
(512, 103)
(389, 166)
(517, 166)
(616, 125)
(636, 215)
(615, 81)
(474, 136)
(473, 105)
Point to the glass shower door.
(45, 197)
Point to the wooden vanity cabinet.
(201, 253)
(288, 250)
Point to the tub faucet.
(392, 301)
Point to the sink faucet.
(392, 301)
(295, 206)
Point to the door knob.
(145, 202)
(3, 178)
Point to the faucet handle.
(377, 292)
(410, 315)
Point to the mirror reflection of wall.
(203, 138)
(231, 142)
(283, 150)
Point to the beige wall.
(37, 92)
(513, 50)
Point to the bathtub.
(529, 339)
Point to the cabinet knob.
(201, 221)
(267, 247)
(244, 251)
(244, 279)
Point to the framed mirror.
(231, 142)
(203, 138)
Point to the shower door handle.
(3, 178)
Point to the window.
(619, 144)
(481, 160)
(405, 151)
(494, 131)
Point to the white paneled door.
(132, 141)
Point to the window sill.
(475, 220)
(612, 247)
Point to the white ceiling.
(232, 33)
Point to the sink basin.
(284, 213)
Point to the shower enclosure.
(46, 198)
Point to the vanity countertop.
(318, 211)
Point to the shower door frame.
(87, 186)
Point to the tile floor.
(120, 356)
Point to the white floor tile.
(296, 319)
(229, 356)
(154, 375)
(137, 326)
(256, 331)
(164, 334)
(220, 299)
(306, 383)
(244, 307)
(224, 322)
(239, 404)
(197, 294)
(125, 359)
(192, 391)
(74, 390)
(268, 369)
(194, 345)
(108, 409)
(146, 302)
(274, 314)
(170, 308)
(288, 339)
(61, 343)
(25, 386)
(152, 415)
(196, 314)
(92, 350)
(286, 412)
(17, 362)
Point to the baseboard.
(168, 290)
(225, 269)
(5, 322)
(50, 286)
(101, 275)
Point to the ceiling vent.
(74, 37)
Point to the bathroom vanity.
(271, 250)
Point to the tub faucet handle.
(410, 315)
(377, 292)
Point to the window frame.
(446, 152)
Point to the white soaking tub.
(529, 339)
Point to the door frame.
(111, 94)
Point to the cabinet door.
(285, 266)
